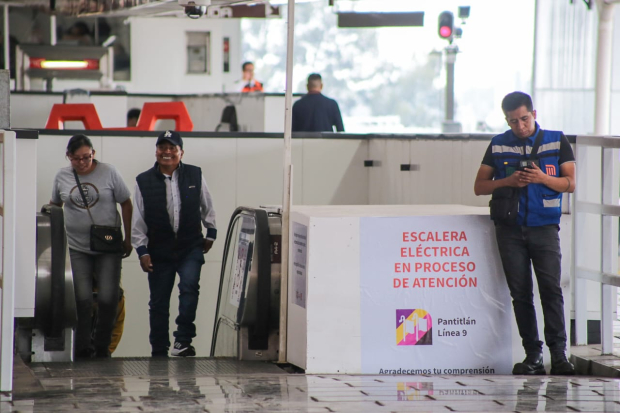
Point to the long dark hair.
(76, 142)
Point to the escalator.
(49, 335)
(248, 307)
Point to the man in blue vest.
(172, 202)
(532, 239)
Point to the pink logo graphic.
(413, 328)
(550, 170)
(413, 391)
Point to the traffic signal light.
(446, 25)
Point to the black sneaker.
(84, 354)
(532, 365)
(102, 353)
(183, 350)
(560, 366)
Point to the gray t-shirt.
(103, 188)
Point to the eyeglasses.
(81, 159)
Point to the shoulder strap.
(79, 185)
(537, 143)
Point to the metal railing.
(595, 237)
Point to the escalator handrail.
(51, 298)
(59, 254)
(259, 332)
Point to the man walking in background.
(315, 112)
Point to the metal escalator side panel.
(70, 308)
(257, 342)
(275, 235)
(55, 307)
(59, 253)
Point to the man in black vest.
(171, 201)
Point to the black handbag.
(504, 203)
(103, 238)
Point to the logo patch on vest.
(550, 170)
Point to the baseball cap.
(170, 136)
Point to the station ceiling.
(120, 8)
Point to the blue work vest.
(538, 204)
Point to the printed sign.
(300, 248)
(236, 289)
(434, 299)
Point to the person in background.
(119, 321)
(315, 112)
(172, 200)
(533, 240)
(132, 117)
(103, 188)
(13, 42)
(79, 33)
(247, 83)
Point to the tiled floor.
(206, 385)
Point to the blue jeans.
(106, 268)
(520, 248)
(161, 282)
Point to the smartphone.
(527, 163)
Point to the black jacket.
(316, 113)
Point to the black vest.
(164, 244)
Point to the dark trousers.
(520, 248)
(107, 269)
(161, 283)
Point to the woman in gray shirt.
(103, 188)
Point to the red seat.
(63, 112)
(150, 114)
(154, 111)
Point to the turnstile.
(248, 307)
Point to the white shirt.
(173, 205)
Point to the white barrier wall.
(356, 297)
(442, 171)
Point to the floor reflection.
(226, 386)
